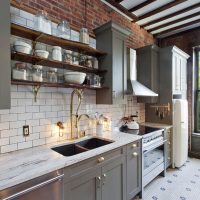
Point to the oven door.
(154, 156)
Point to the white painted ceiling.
(128, 4)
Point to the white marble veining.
(23, 165)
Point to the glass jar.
(52, 75)
(63, 30)
(67, 56)
(95, 63)
(84, 36)
(20, 71)
(37, 73)
(82, 59)
(42, 22)
(57, 53)
(75, 58)
(89, 62)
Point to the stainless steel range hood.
(134, 87)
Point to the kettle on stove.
(130, 123)
(133, 125)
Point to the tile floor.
(179, 184)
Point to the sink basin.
(69, 149)
(82, 146)
(94, 143)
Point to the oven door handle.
(57, 178)
(154, 146)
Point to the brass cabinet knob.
(168, 158)
(134, 145)
(101, 159)
(104, 178)
(98, 181)
(135, 154)
(169, 143)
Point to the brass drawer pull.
(101, 159)
(104, 178)
(135, 154)
(134, 145)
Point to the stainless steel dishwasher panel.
(49, 187)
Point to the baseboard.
(193, 154)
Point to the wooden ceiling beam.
(141, 5)
(177, 27)
(174, 22)
(122, 9)
(162, 8)
(118, 1)
(171, 15)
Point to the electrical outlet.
(26, 131)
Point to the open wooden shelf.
(57, 85)
(27, 58)
(37, 36)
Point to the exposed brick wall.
(97, 13)
(185, 41)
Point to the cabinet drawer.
(134, 146)
(83, 167)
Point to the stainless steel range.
(154, 151)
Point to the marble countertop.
(156, 125)
(23, 165)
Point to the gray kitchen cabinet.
(111, 38)
(114, 175)
(173, 74)
(5, 55)
(113, 180)
(148, 70)
(134, 169)
(85, 187)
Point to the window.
(197, 94)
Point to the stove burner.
(143, 130)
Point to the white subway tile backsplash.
(53, 105)
(4, 126)
(25, 116)
(8, 148)
(24, 145)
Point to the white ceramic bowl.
(75, 77)
(22, 47)
(42, 53)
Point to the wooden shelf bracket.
(36, 89)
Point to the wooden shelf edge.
(57, 85)
(34, 35)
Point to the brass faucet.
(79, 93)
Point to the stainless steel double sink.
(82, 146)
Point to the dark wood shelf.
(37, 36)
(51, 63)
(57, 85)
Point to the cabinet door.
(184, 78)
(134, 173)
(119, 67)
(5, 55)
(84, 187)
(176, 74)
(113, 180)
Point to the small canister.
(95, 63)
(20, 71)
(75, 58)
(52, 75)
(67, 56)
(89, 62)
(37, 73)
(57, 53)
(84, 36)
